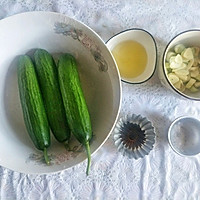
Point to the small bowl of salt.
(184, 136)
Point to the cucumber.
(74, 102)
(48, 80)
(32, 106)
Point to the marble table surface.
(162, 174)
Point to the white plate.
(23, 33)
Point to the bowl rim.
(156, 52)
(163, 64)
(169, 134)
(118, 78)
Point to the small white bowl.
(188, 38)
(184, 136)
(148, 42)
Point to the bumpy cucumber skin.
(74, 102)
(73, 98)
(32, 104)
(48, 80)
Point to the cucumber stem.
(46, 157)
(87, 146)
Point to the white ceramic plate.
(22, 34)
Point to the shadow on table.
(161, 124)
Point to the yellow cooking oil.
(131, 58)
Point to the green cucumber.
(32, 105)
(74, 102)
(48, 80)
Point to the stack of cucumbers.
(52, 98)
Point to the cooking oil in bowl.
(131, 58)
(135, 53)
